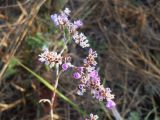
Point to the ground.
(126, 36)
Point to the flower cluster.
(62, 20)
(52, 58)
(89, 79)
(87, 73)
(92, 117)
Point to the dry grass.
(126, 34)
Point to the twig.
(15, 5)
(4, 107)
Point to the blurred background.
(125, 34)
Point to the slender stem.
(57, 76)
(65, 43)
(116, 114)
(55, 87)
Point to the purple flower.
(81, 39)
(92, 53)
(54, 18)
(92, 117)
(95, 81)
(80, 69)
(110, 104)
(108, 90)
(93, 74)
(67, 11)
(65, 66)
(90, 68)
(63, 19)
(81, 89)
(76, 75)
(50, 58)
(78, 23)
(99, 97)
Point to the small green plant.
(11, 70)
(37, 41)
(134, 116)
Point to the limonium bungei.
(86, 74)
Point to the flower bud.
(76, 75)
(65, 66)
(110, 104)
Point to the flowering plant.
(88, 76)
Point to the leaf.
(134, 116)
(11, 68)
(36, 41)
